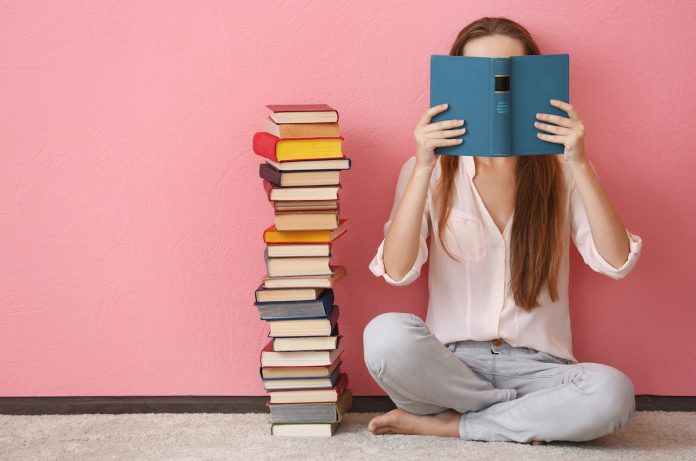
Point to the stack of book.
(300, 365)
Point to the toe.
(377, 423)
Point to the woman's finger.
(551, 138)
(572, 113)
(552, 128)
(430, 113)
(445, 133)
(443, 142)
(557, 119)
(443, 125)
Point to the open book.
(498, 99)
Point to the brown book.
(305, 327)
(298, 250)
(301, 193)
(312, 165)
(306, 205)
(318, 281)
(288, 267)
(264, 295)
(311, 395)
(306, 358)
(300, 130)
(306, 343)
(299, 372)
(305, 220)
(299, 178)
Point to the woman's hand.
(569, 131)
(431, 135)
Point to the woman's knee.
(614, 397)
(388, 335)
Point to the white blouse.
(469, 299)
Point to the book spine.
(325, 301)
(264, 144)
(266, 258)
(500, 141)
(270, 174)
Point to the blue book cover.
(313, 308)
(498, 99)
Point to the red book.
(303, 113)
(299, 107)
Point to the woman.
(493, 360)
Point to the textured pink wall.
(132, 213)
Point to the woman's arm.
(377, 264)
(402, 239)
(608, 231)
(609, 234)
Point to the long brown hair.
(536, 244)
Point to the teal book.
(498, 99)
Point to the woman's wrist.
(579, 167)
(423, 169)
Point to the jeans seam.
(486, 371)
(462, 425)
(517, 401)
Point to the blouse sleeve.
(582, 237)
(377, 263)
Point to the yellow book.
(271, 235)
(308, 149)
(283, 150)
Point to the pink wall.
(132, 213)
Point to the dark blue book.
(498, 99)
(313, 308)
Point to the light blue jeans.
(504, 393)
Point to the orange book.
(272, 235)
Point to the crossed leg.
(437, 393)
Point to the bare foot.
(445, 424)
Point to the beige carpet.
(649, 436)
